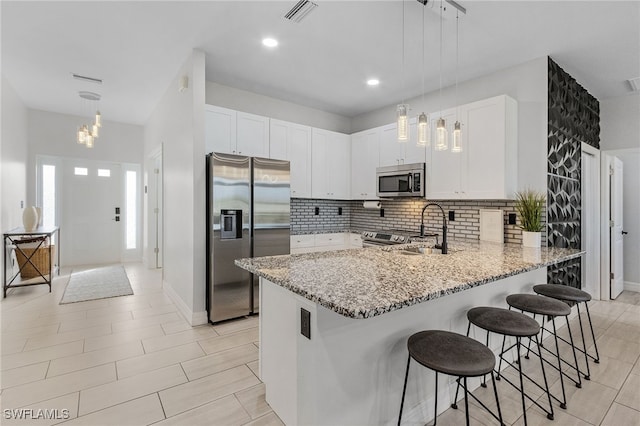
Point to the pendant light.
(423, 120)
(442, 143)
(401, 111)
(456, 145)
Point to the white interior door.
(91, 228)
(158, 210)
(616, 240)
(590, 216)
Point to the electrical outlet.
(512, 218)
(21, 204)
(305, 323)
(339, 211)
(317, 211)
(452, 215)
(381, 212)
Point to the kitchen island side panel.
(351, 371)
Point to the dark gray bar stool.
(546, 306)
(453, 354)
(518, 325)
(575, 296)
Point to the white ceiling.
(137, 47)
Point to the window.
(104, 173)
(130, 206)
(80, 171)
(48, 195)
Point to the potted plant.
(529, 205)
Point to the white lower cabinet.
(324, 242)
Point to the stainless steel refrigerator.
(248, 211)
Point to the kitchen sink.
(420, 250)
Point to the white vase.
(531, 239)
(30, 218)
(39, 211)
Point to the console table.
(42, 237)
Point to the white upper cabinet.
(234, 132)
(393, 152)
(331, 169)
(292, 142)
(364, 161)
(487, 166)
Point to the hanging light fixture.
(456, 145)
(423, 120)
(442, 143)
(87, 133)
(401, 111)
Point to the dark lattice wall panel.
(574, 117)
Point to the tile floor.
(133, 360)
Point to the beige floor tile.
(60, 316)
(625, 332)
(590, 403)
(255, 367)
(46, 320)
(253, 401)
(535, 417)
(198, 392)
(236, 325)
(631, 297)
(149, 312)
(91, 359)
(220, 343)
(142, 411)
(115, 339)
(144, 322)
(611, 308)
(112, 309)
(610, 372)
(631, 317)
(116, 317)
(152, 361)
(70, 336)
(58, 409)
(36, 331)
(272, 419)
(636, 368)
(224, 411)
(107, 395)
(630, 393)
(175, 327)
(29, 393)
(220, 361)
(619, 415)
(39, 355)
(619, 349)
(12, 345)
(22, 375)
(194, 334)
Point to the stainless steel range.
(385, 238)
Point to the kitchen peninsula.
(361, 305)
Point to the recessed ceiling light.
(270, 42)
(373, 82)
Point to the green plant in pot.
(529, 205)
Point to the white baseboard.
(631, 286)
(193, 318)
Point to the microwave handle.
(410, 175)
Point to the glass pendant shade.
(98, 119)
(81, 135)
(423, 130)
(456, 145)
(403, 123)
(94, 130)
(442, 142)
(89, 139)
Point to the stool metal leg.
(495, 392)
(484, 378)
(435, 407)
(595, 344)
(524, 408)
(563, 404)
(575, 357)
(504, 339)
(584, 344)
(466, 402)
(404, 389)
(546, 384)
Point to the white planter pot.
(531, 239)
(30, 218)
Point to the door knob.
(624, 232)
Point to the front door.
(92, 212)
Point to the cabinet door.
(220, 129)
(339, 168)
(299, 149)
(391, 151)
(412, 152)
(278, 140)
(443, 173)
(320, 157)
(252, 137)
(364, 161)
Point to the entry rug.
(97, 283)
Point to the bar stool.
(572, 295)
(453, 354)
(512, 324)
(546, 306)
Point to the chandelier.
(87, 133)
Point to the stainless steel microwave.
(403, 180)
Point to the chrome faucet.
(443, 247)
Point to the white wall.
(13, 155)
(526, 83)
(177, 123)
(620, 136)
(241, 100)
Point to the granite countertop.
(362, 283)
(326, 231)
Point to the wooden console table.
(43, 238)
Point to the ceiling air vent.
(300, 10)
(634, 83)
